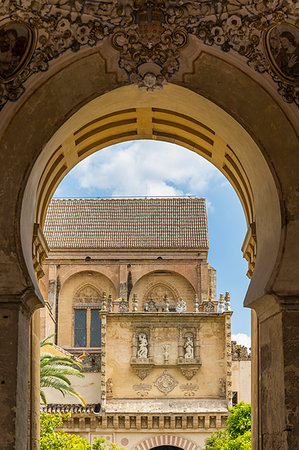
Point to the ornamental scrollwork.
(148, 35)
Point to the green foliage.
(101, 444)
(240, 420)
(54, 371)
(237, 434)
(59, 440)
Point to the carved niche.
(141, 359)
(189, 359)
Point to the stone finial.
(166, 304)
(104, 302)
(134, 303)
(221, 304)
(196, 303)
(110, 304)
(227, 302)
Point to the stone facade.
(165, 366)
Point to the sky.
(160, 169)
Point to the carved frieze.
(165, 382)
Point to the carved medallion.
(165, 383)
(16, 45)
(281, 43)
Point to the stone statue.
(143, 344)
(189, 350)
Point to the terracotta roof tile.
(127, 223)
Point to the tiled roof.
(127, 223)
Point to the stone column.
(276, 350)
(15, 312)
(35, 381)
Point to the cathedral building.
(130, 293)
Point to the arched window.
(87, 322)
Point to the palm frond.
(54, 372)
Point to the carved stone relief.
(189, 389)
(87, 294)
(165, 383)
(109, 388)
(189, 372)
(142, 372)
(148, 37)
(123, 306)
(158, 292)
(222, 387)
(142, 389)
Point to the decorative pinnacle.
(104, 302)
(221, 304)
(166, 303)
(227, 302)
(196, 303)
(134, 303)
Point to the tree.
(237, 434)
(59, 440)
(54, 372)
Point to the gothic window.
(87, 323)
(80, 328)
(95, 328)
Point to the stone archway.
(34, 160)
(167, 440)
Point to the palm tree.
(54, 371)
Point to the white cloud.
(242, 339)
(145, 168)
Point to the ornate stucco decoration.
(149, 47)
(149, 36)
(165, 383)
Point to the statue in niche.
(189, 348)
(143, 344)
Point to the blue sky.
(151, 168)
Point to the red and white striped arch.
(167, 439)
